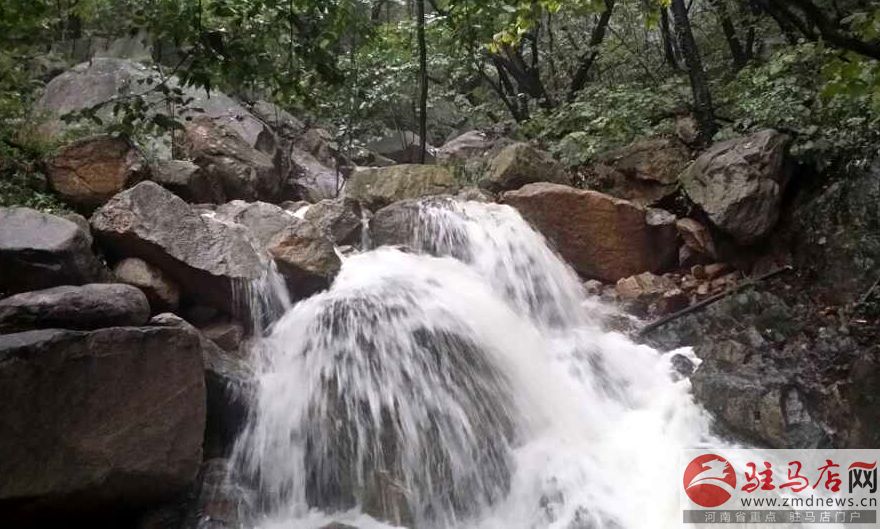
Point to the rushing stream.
(463, 381)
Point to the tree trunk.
(666, 38)
(579, 79)
(703, 109)
(423, 80)
(737, 51)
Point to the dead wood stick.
(712, 299)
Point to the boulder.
(83, 224)
(207, 258)
(228, 380)
(89, 171)
(242, 171)
(319, 143)
(282, 122)
(305, 257)
(739, 183)
(697, 238)
(101, 80)
(74, 307)
(472, 144)
(602, 237)
(402, 147)
(519, 164)
(262, 219)
(228, 335)
(38, 251)
(395, 224)
(341, 220)
(219, 500)
(643, 172)
(309, 179)
(96, 422)
(376, 188)
(188, 181)
(161, 291)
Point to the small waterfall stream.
(463, 381)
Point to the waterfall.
(463, 380)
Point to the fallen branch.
(712, 299)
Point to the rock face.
(38, 251)
(395, 224)
(469, 145)
(338, 219)
(697, 238)
(243, 171)
(228, 382)
(643, 172)
(205, 257)
(739, 184)
(95, 421)
(520, 164)
(836, 236)
(309, 178)
(74, 307)
(188, 181)
(600, 236)
(378, 187)
(102, 79)
(161, 291)
(402, 147)
(305, 257)
(88, 172)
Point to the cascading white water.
(464, 382)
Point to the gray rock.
(38, 251)
(395, 224)
(402, 147)
(102, 79)
(228, 335)
(519, 164)
(262, 219)
(220, 503)
(472, 144)
(739, 183)
(74, 307)
(243, 171)
(279, 120)
(376, 188)
(82, 222)
(205, 257)
(188, 181)
(339, 219)
(229, 384)
(305, 257)
(161, 291)
(97, 420)
(309, 178)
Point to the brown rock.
(601, 236)
(376, 188)
(88, 172)
(305, 257)
(519, 164)
(716, 270)
(227, 335)
(671, 301)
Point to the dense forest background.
(578, 76)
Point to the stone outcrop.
(263, 220)
(519, 164)
(97, 421)
(339, 219)
(74, 307)
(601, 236)
(378, 187)
(89, 171)
(207, 258)
(305, 257)
(739, 184)
(38, 251)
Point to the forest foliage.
(579, 76)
